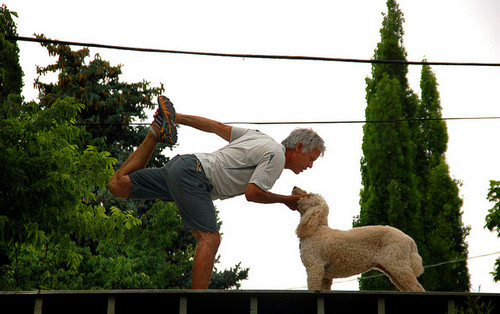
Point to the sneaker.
(163, 124)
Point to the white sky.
(227, 89)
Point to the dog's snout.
(298, 191)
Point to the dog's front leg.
(315, 275)
(326, 284)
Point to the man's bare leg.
(119, 185)
(162, 129)
(204, 257)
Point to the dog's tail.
(416, 260)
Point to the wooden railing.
(239, 301)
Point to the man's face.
(299, 161)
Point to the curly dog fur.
(328, 253)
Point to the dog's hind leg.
(410, 282)
(404, 279)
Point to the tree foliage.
(110, 105)
(389, 194)
(45, 192)
(142, 257)
(493, 218)
(405, 178)
(443, 232)
(11, 74)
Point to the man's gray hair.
(309, 139)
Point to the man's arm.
(255, 194)
(206, 125)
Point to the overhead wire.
(368, 121)
(246, 56)
(311, 122)
(95, 45)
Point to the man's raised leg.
(162, 130)
(119, 185)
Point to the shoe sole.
(167, 112)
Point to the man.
(250, 164)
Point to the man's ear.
(298, 148)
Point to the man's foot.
(164, 122)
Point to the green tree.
(493, 218)
(11, 74)
(443, 232)
(45, 190)
(405, 178)
(110, 107)
(109, 104)
(389, 195)
(137, 258)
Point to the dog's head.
(309, 201)
(313, 210)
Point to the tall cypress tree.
(493, 219)
(443, 231)
(389, 195)
(406, 181)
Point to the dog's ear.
(309, 222)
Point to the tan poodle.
(328, 253)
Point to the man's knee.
(113, 186)
(211, 239)
(215, 239)
(120, 186)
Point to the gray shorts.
(182, 181)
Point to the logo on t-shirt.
(271, 158)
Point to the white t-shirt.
(250, 157)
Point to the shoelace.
(155, 115)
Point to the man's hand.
(292, 200)
(255, 194)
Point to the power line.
(244, 56)
(51, 41)
(313, 122)
(368, 121)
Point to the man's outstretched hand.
(255, 194)
(292, 200)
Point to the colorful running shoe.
(163, 124)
